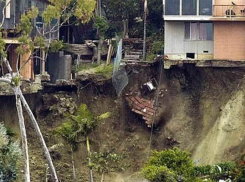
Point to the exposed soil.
(201, 109)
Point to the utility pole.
(144, 41)
(99, 34)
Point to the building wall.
(221, 11)
(229, 41)
(229, 2)
(176, 46)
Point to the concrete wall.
(229, 40)
(176, 46)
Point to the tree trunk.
(99, 49)
(39, 133)
(89, 160)
(20, 97)
(73, 166)
(43, 63)
(102, 177)
(100, 37)
(23, 133)
(125, 28)
(144, 43)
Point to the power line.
(156, 106)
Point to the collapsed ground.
(201, 109)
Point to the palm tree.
(80, 125)
(66, 131)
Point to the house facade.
(11, 18)
(204, 29)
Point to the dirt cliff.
(200, 108)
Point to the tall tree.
(81, 125)
(124, 11)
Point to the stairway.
(133, 50)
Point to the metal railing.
(229, 10)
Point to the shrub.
(150, 57)
(10, 153)
(159, 173)
(216, 171)
(174, 159)
(173, 162)
(157, 47)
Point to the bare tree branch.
(3, 11)
(37, 129)
(5, 80)
(22, 132)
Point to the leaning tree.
(60, 10)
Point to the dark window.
(39, 21)
(189, 7)
(190, 55)
(172, 7)
(29, 4)
(205, 7)
(198, 31)
(206, 31)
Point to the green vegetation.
(10, 154)
(150, 57)
(156, 48)
(159, 173)
(103, 69)
(216, 171)
(173, 163)
(107, 162)
(176, 165)
(80, 126)
(101, 24)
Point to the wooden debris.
(143, 107)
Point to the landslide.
(201, 108)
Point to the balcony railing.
(229, 11)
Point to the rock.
(58, 104)
(66, 165)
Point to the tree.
(68, 132)
(107, 162)
(117, 10)
(10, 153)
(80, 125)
(57, 9)
(172, 164)
(101, 24)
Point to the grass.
(150, 57)
(86, 66)
(103, 69)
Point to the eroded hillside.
(201, 108)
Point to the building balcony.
(228, 13)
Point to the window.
(198, 31)
(172, 7)
(189, 7)
(39, 21)
(29, 4)
(205, 7)
(190, 55)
